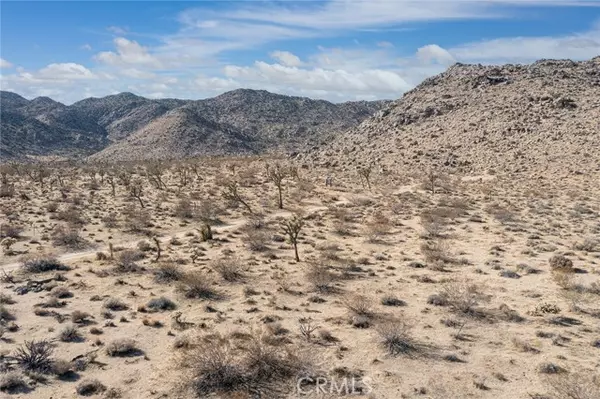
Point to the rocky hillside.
(126, 126)
(472, 118)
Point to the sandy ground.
(481, 240)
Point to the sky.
(337, 50)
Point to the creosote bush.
(561, 262)
(161, 304)
(90, 387)
(42, 263)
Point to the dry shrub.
(111, 220)
(123, 347)
(257, 240)
(137, 220)
(167, 273)
(588, 245)
(127, 262)
(12, 382)
(321, 277)
(436, 252)
(359, 305)
(35, 356)
(80, 317)
(230, 269)
(10, 230)
(42, 263)
(69, 334)
(72, 215)
(561, 262)
(5, 315)
(90, 387)
(462, 297)
(115, 304)
(396, 338)
(378, 227)
(68, 237)
(196, 284)
(563, 278)
(184, 209)
(161, 304)
(218, 367)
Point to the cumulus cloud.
(129, 52)
(286, 58)
(433, 53)
(5, 64)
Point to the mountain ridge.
(540, 117)
(100, 126)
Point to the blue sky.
(333, 49)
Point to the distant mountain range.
(130, 127)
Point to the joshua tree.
(136, 190)
(154, 172)
(292, 228)
(6, 243)
(365, 175)
(206, 232)
(111, 180)
(232, 194)
(276, 174)
(431, 180)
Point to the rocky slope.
(126, 126)
(472, 118)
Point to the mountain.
(126, 126)
(543, 117)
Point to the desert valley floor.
(425, 285)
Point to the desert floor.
(487, 288)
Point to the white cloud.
(136, 73)
(286, 58)
(351, 84)
(5, 64)
(86, 47)
(53, 73)
(129, 52)
(433, 53)
(526, 49)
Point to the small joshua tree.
(365, 175)
(276, 174)
(232, 194)
(432, 178)
(206, 232)
(136, 190)
(6, 243)
(292, 228)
